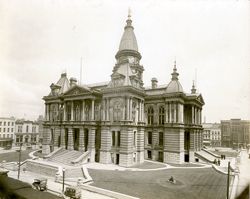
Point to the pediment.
(200, 99)
(78, 90)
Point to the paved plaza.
(192, 183)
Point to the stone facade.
(121, 121)
(212, 134)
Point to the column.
(103, 109)
(64, 111)
(170, 112)
(108, 109)
(192, 120)
(62, 137)
(177, 113)
(91, 145)
(130, 109)
(70, 139)
(45, 112)
(174, 104)
(166, 112)
(200, 116)
(139, 112)
(143, 111)
(93, 110)
(72, 111)
(81, 139)
(83, 110)
(127, 108)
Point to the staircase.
(205, 156)
(65, 156)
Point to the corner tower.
(127, 70)
(122, 133)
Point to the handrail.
(80, 158)
(52, 153)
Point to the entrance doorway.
(86, 139)
(186, 145)
(117, 158)
(160, 156)
(66, 138)
(76, 139)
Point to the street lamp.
(63, 170)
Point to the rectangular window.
(19, 130)
(118, 138)
(12, 123)
(3, 129)
(149, 137)
(12, 130)
(8, 123)
(8, 130)
(3, 135)
(113, 138)
(4, 123)
(160, 138)
(149, 155)
(0, 129)
(11, 136)
(0, 123)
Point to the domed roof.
(174, 86)
(128, 41)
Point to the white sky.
(41, 39)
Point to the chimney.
(72, 81)
(154, 83)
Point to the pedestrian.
(219, 162)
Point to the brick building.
(212, 134)
(235, 133)
(121, 121)
(7, 132)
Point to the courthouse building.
(121, 121)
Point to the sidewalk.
(54, 187)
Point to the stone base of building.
(46, 149)
(174, 157)
(92, 155)
(191, 156)
(105, 157)
(140, 157)
(126, 160)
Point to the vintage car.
(40, 184)
(72, 193)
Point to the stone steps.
(65, 156)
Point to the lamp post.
(63, 170)
(19, 160)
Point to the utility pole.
(19, 160)
(228, 179)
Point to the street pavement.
(244, 175)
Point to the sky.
(209, 40)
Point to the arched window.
(150, 115)
(161, 115)
(77, 112)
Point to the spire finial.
(129, 13)
(175, 74)
(193, 90)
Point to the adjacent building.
(7, 132)
(26, 133)
(235, 133)
(212, 134)
(121, 121)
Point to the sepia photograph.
(130, 99)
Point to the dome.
(64, 83)
(174, 87)
(128, 41)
